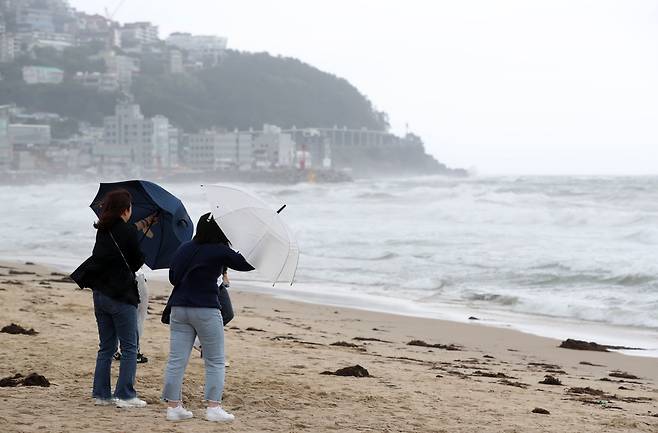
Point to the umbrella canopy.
(256, 230)
(173, 226)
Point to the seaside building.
(133, 141)
(218, 149)
(42, 75)
(201, 49)
(6, 153)
(273, 148)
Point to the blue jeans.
(117, 322)
(186, 324)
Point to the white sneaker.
(178, 413)
(131, 402)
(104, 401)
(217, 414)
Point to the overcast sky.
(527, 86)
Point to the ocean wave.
(561, 280)
(493, 298)
(376, 195)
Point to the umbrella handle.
(148, 227)
(282, 208)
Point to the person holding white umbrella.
(196, 310)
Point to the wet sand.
(278, 349)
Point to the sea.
(563, 257)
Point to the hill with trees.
(244, 90)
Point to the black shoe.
(141, 359)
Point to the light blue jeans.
(185, 324)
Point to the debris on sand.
(587, 390)
(16, 272)
(541, 411)
(68, 280)
(355, 371)
(252, 329)
(32, 379)
(473, 318)
(421, 343)
(494, 375)
(584, 345)
(344, 344)
(550, 380)
(11, 381)
(370, 339)
(516, 384)
(623, 375)
(590, 364)
(545, 366)
(17, 329)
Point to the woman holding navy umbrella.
(110, 273)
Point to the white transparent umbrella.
(256, 230)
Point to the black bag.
(225, 305)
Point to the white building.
(139, 33)
(6, 153)
(42, 75)
(133, 140)
(103, 82)
(218, 149)
(273, 148)
(206, 50)
(29, 135)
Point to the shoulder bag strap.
(121, 252)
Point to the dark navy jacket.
(194, 272)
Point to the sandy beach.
(278, 349)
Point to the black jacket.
(106, 270)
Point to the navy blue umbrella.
(158, 240)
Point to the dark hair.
(113, 205)
(208, 231)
